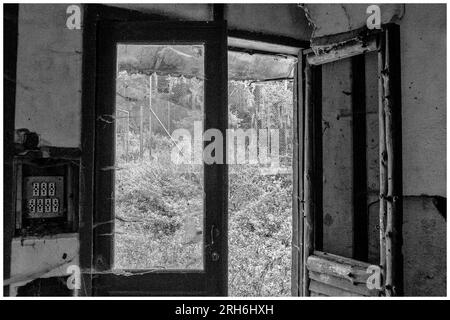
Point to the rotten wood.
(382, 157)
(389, 155)
(353, 272)
(331, 53)
(341, 259)
(344, 37)
(393, 278)
(357, 288)
(330, 291)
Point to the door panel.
(190, 258)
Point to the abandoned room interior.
(116, 121)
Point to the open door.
(182, 248)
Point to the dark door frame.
(95, 249)
(10, 27)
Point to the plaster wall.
(48, 93)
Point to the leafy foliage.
(159, 205)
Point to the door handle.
(214, 233)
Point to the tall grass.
(159, 219)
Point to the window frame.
(387, 43)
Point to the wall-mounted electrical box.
(46, 193)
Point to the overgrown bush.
(159, 205)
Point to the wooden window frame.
(307, 241)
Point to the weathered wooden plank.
(392, 112)
(324, 289)
(353, 273)
(362, 33)
(336, 52)
(357, 288)
(340, 259)
(382, 158)
(389, 155)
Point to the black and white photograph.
(252, 150)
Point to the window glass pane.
(260, 112)
(158, 186)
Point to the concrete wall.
(45, 257)
(337, 18)
(188, 12)
(48, 93)
(276, 19)
(423, 46)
